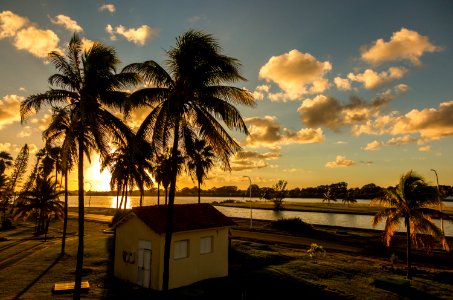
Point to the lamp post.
(89, 199)
(440, 205)
(250, 199)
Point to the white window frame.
(206, 244)
(181, 249)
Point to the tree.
(278, 194)
(130, 166)
(86, 82)
(201, 159)
(329, 195)
(410, 202)
(192, 96)
(6, 160)
(42, 201)
(62, 132)
(349, 198)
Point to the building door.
(144, 263)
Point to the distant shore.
(357, 208)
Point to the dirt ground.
(30, 266)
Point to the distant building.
(199, 248)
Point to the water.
(332, 219)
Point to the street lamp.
(440, 205)
(250, 199)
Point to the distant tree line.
(340, 190)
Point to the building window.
(181, 249)
(206, 245)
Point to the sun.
(96, 180)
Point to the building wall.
(126, 239)
(198, 266)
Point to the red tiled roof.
(185, 217)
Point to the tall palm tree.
(201, 160)
(412, 202)
(86, 83)
(60, 132)
(329, 196)
(192, 96)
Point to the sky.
(356, 91)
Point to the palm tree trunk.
(65, 219)
(199, 192)
(118, 195)
(171, 200)
(158, 193)
(408, 254)
(166, 195)
(79, 263)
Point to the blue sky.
(354, 91)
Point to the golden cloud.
(373, 146)
(9, 110)
(296, 74)
(67, 23)
(269, 133)
(372, 79)
(340, 162)
(342, 83)
(10, 23)
(403, 45)
(135, 35)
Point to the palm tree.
(42, 201)
(130, 166)
(6, 160)
(86, 82)
(412, 201)
(60, 131)
(329, 196)
(201, 159)
(192, 96)
(349, 198)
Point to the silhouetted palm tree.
(86, 82)
(329, 196)
(191, 96)
(42, 201)
(130, 166)
(6, 160)
(348, 198)
(200, 161)
(411, 202)
(60, 132)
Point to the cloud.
(248, 160)
(401, 88)
(260, 92)
(373, 146)
(107, 7)
(27, 37)
(268, 132)
(137, 36)
(329, 112)
(253, 154)
(342, 83)
(9, 110)
(403, 45)
(37, 41)
(87, 44)
(430, 123)
(340, 161)
(296, 74)
(426, 148)
(10, 23)
(401, 140)
(372, 79)
(67, 23)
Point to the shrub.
(316, 250)
(295, 225)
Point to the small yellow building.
(199, 248)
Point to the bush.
(7, 224)
(295, 225)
